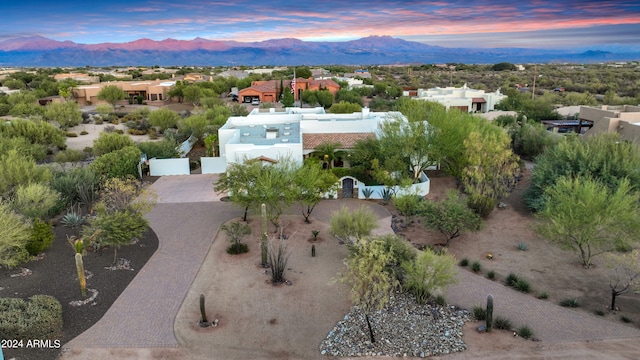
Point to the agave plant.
(72, 220)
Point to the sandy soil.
(259, 320)
(93, 132)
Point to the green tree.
(287, 99)
(109, 142)
(531, 139)
(235, 232)
(324, 98)
(406, 144)
(164, 118)
(111, 94)
(34, 200)
(367, 273)
(35, 131)
(586, 215)
(603, 157)
(344, 108)
(163, 149)
(303, 72)
(350, 225)
(492, 167)
(36, 151)
(66, 114)
(14, 236)
(311, 184)
(192, 94)
(194, 125)
(429, 272)
(451, 217)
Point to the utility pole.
(533, 91)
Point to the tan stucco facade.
(623, 120)
(152, 91)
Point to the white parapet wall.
(162, 167)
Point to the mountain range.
(373, 50)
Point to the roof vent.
(285, 140)
(245, 134)
(286, 133)
(271, 133)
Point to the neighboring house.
(295, 133)
(269, 90)
(238, 74)
(195, 77)
(81, 78)
(151, 91)
(6, 90)
(623, 120)
(464, 98)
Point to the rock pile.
(402, 328)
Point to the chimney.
(365, 112)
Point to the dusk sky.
(465, 23)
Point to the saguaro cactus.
(489, 312)
(203, 320)
(263, 236)
(313, 250)
(81, 278)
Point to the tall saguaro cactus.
(81, 278)
(203, 314)
(263, 236)
(489, 312)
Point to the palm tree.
(328, 153)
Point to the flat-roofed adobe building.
(296, 132)
(623, 120)
(153, 92)
(464, 98)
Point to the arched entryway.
(347, 188)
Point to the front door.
(347, 188)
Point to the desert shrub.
(164, 149)
(464, 262)
(440, 300)
(41, 237)
(34, 200)
(479, 313)
(625, 319)
(543, 295)
(71, 134)
(109, 142)
(525, 332)
(36, 151)
(136, 132)
(116, 229)
(570, 302)
(164, 118)
(17, 169)
(482, 205)
(69, 155)
(491, 275)
(35, 131)
(511, 279)
(502, 323)
(77, 185)
(84, 132)
(349, 225)
(408, 205)
(522, 285)
(475, 266)
(14, 235)
(120, 163)
(153, 134)
(522, 246)
(598, 312)
(237, 249)
(38, 318)
(427, 273)
(278, 259)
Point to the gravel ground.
(402, 328)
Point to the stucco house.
(464, 98)
(153, 92)
(269, 90)
(623, 120)
(295, 133)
